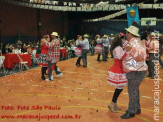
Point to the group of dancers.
(130, 67)
(101, 48)
(129, 62)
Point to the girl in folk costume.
(117, 76)
(42, 59)
(98, 47)
(78, 50)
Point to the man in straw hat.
(53, 55)
(85, 49)
(105, 43)
(135, 67)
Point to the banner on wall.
(132, 14)
(148, 21)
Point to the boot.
(43, 77)
(98, 57)
(117, 108)
(43, 72)
(111, 106)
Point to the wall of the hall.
(22, 21)
(108, 27)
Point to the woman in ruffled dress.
(78, 50)
(42, 59)
(99, 47)
(117, 76)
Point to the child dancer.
(117, 76)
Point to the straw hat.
(133, 30)
(111, 34)
(105, 36)
(160, 35)
(153, 34)
(28, 45)
(54, 34)
(85, 35)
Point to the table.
(12, 59)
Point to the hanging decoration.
(72, 6)
(107, 17)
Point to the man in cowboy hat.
(105, 43)
(85, 49)
(53, 55)
(135, 67)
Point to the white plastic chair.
(22, 64)
(34, 59)
(2, 58)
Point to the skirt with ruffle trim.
(78, 51)
(118, 80)
(98, 49)
(42, 60)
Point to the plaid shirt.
(53, 54)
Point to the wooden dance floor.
(80, 95)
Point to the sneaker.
(52, 77)
(60, 74)
(47, 79)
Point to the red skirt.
(117, 77)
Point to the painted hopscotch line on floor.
(94, 89)
(110, 91)
(79, 88)
(35, 85)
(125, 93)
(146, 97)
(65, 87)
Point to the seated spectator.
(24, 48)
(6, 49)
(11, 47)
(29, 50)
(72, 49)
